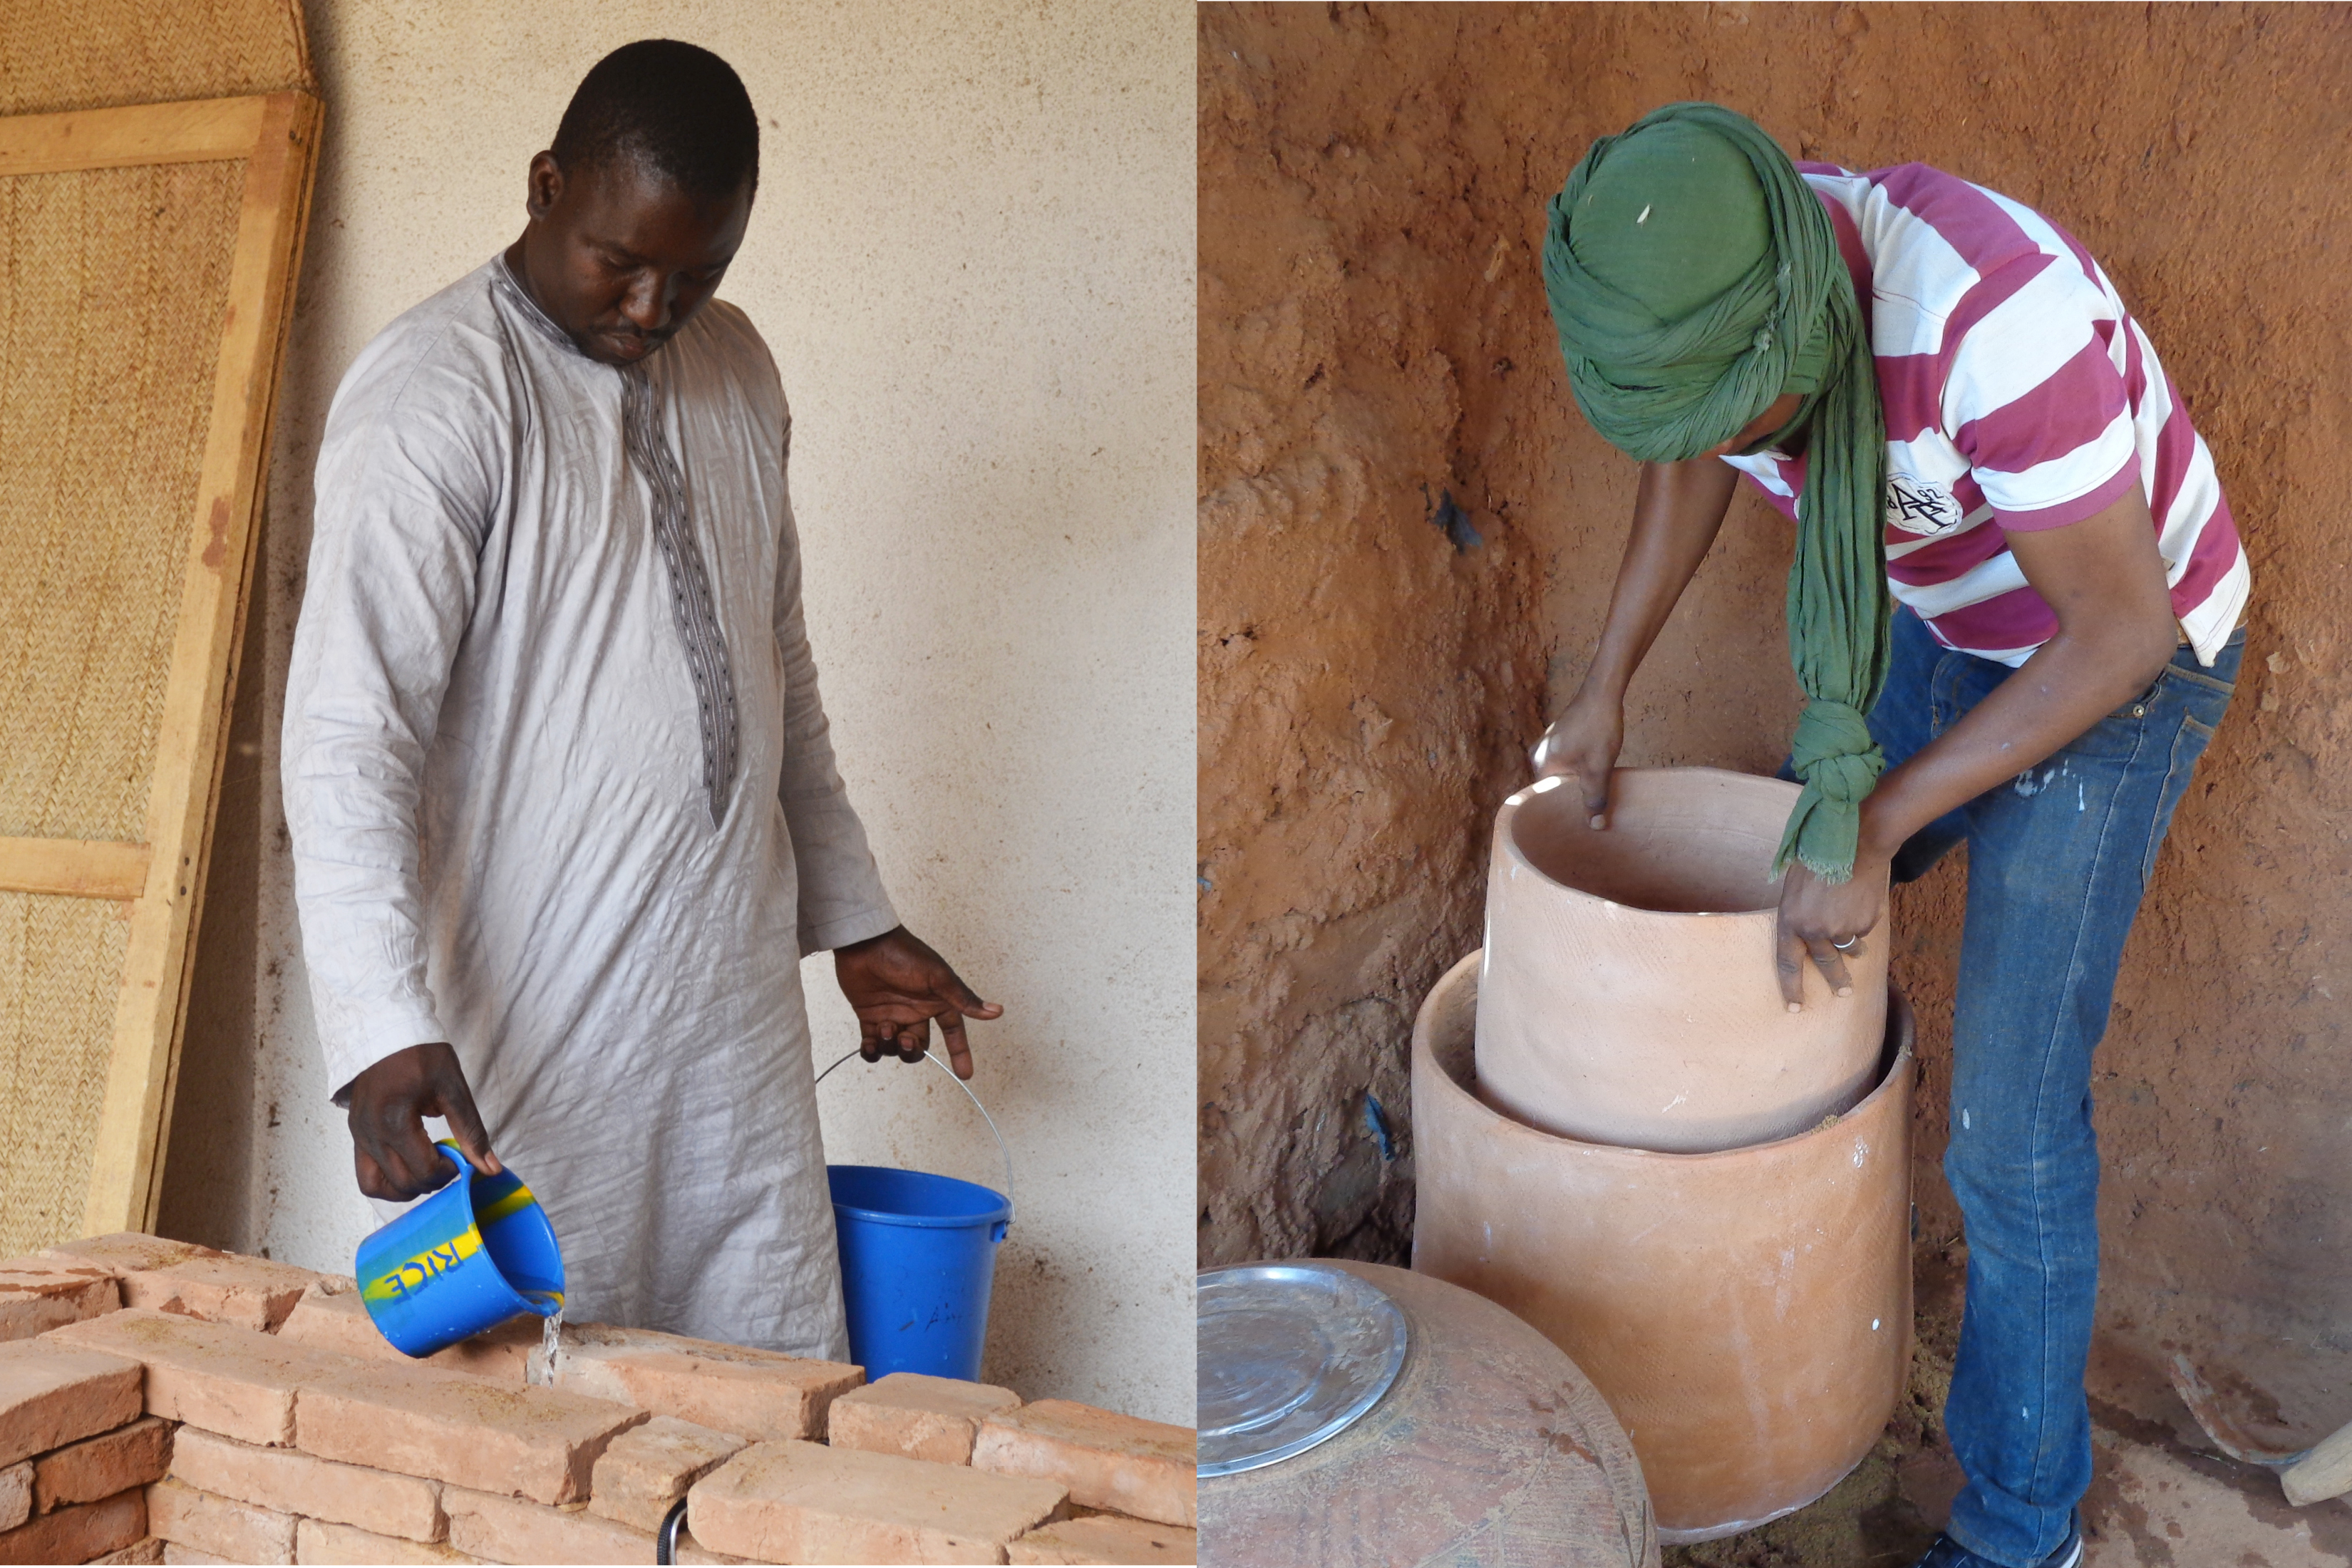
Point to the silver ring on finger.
(1846, 945)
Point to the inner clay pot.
(1746, 1313)
(1629, 995)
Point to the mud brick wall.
(162, 1401)
(1407, 535)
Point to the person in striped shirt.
(1951, 398)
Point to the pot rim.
(1526, 794)
(1900, 1026)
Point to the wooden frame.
(203, 131)
(161, 879)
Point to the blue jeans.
(2058, 858)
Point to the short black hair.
(679, 110)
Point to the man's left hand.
(897, 985)
(1823, 923)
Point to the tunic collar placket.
(693, 611)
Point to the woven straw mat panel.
(60, 962)
(112, 287)
(113, 284)
(57, 55)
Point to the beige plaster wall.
(972, 257)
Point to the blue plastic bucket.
(466, 1258)
(917, 1261)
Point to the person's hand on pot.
(1582, 746)
(1823, 924)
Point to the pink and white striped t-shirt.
(2019, 394)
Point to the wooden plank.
(202, 131)
(149, 1018)
(302, 147)
(220, 761)
(78, 869)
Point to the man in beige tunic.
(564, 812)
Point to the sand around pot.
(1746, 1313)
(1629, 995)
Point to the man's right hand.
(1582, 744)
(389, 1103)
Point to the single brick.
(15, 1494)
(126, 1251)
(331, 1316)
(174, 1552)
(317, 1541)
(54, 1395)
(336, 1319)
(146, 1549)
(690, 1550)
(228, 1380)
(917, 1416)
(103, 1465)
(79, 1533)
(222, 1526)
(37, 1294)
(339, 1322)
(649, 1467)
(249, 1292)
(754, 1393)
(1108, 1460)
(508, 1530)
(294, 1482)
(1107, 1538)
(803, 1502)
(538, 1443)
(502, 1354)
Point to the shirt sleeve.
(841, 900)
(403, 502)
(2034, 399)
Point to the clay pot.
(1747, 1313)
(1490, 1447)
(1629, 996)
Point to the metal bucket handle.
(1012, 1206)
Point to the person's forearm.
(2069, 685)
(1677, 513)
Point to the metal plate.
(1291, 1354)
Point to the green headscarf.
(1695, 277)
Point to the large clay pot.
(1629, 996)
(1487, 1447)
(1747, 1313)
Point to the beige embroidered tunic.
(560, 792)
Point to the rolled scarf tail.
(1839, 635)
(1839, 763)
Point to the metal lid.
(1290, 1354)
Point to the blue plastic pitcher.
(917, 1259)
(466, 1258)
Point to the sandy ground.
(2160, 1497)
(2156, 1502)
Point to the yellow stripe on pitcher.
(415, 1270)
(514, 1202)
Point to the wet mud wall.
(1407, 537)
